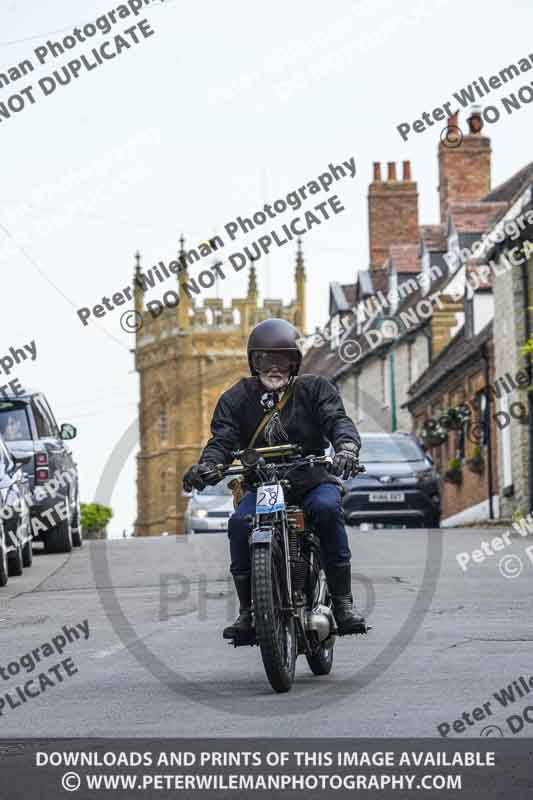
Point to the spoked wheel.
(275, 629)
(321, 659)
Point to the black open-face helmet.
(275, 335)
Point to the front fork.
(285, 533)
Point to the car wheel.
(59, 539)
(15, 562)
(77, 537)
(432, 521)
(4, 572)
(77, 533)
(27, 552)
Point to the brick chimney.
(392, 212)
(464, 170)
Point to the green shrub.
(94, 516)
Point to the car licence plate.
(386, 497)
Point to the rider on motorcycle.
(312, 416)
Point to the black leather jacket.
(313, 417)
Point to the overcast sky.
(226, 107)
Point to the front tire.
(275, 630)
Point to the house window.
(413, 367)
(505, 439)
(478, 419)
(460, 444)
(393, 287)
(425, 276)
(163, 424)
(163, 486)
(436, 454)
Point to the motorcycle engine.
(320, 620)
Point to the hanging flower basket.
(433, 436)
(454, 473)
(454, 418)
(476, 462)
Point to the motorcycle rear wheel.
(321, 661)
(275, 629)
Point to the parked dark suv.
(29, 429)
(400, 484)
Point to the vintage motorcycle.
(291, 604)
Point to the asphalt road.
(154, 663)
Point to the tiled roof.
(405, 257)
(380, 280)
(434, 236)
(350, 291)
(321, 361)
(365, 282)
(475, 217)
(456, 352)
(337, 299)
(325, 361)
(512, 187)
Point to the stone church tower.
(186, 357)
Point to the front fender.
(261, 536)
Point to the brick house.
(450, 353)
(407, 263)
(457, 376)
(512, 258)
(498, 288)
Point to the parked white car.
(208, 511)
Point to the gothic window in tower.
(163, 423)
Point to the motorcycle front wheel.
(274, 627)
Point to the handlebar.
(224, 471)
(311, 459)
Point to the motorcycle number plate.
(269, 499)
(261, 536)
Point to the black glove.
(195, 477)
(346, 462)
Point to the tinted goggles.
(264, 360)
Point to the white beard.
(273, 384)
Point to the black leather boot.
(242, 628)
(339, 576)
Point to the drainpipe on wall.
(488, 400)
(394, 418)
(527, 334)
(428, 333)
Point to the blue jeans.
(323, 507)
